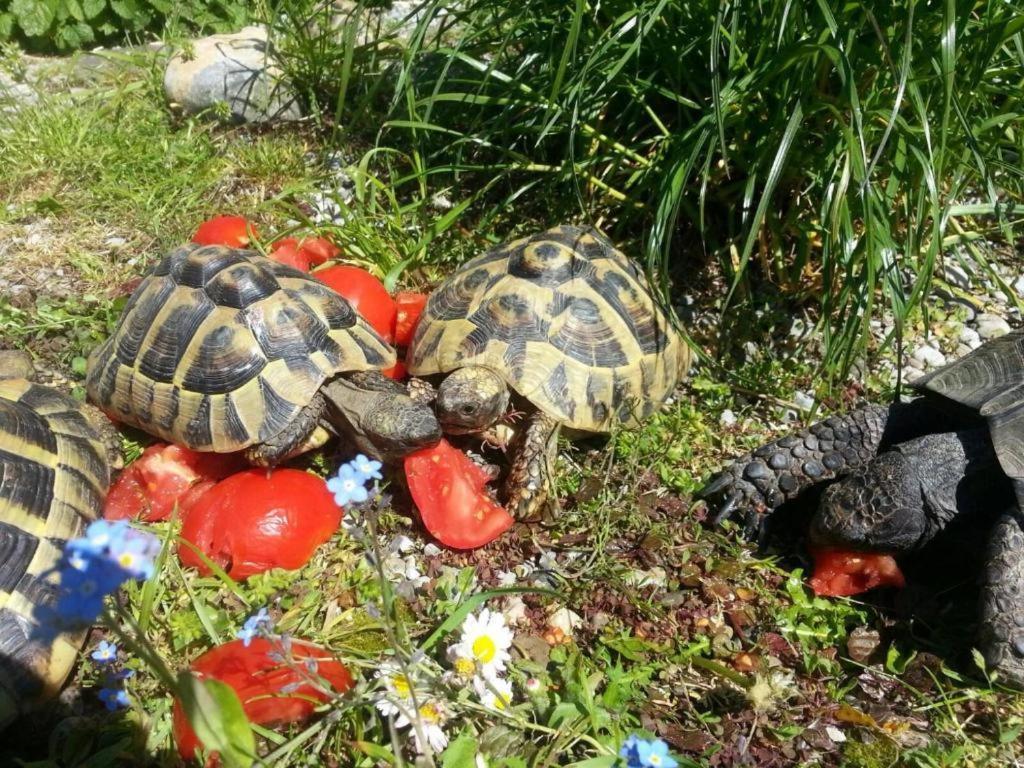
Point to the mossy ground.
(683, 632)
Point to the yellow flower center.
(430, 714)
(500, 702)
(484, 649)
(465, 667)
(127, 559)
(401, 685)
(654, 759)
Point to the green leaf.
(6, 25)
(78, 366)
(93, 8)
(34, 16)
(375, 751)
(75, 9)
(216, 715)
(460, 752)
(126, 9)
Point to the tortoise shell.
(54, 475)
(219, 349)
(566, 319)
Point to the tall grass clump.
(834, 152)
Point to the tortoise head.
(378, 415)
(470, 400)
(877, 507)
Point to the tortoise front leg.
(1001, 631)
(531, 476)
(303, 434)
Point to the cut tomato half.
(260, 519)
(839, 573)
(449, 491)
(165, 475)
(272, 689)
(233, 231)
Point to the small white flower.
(494, 692)
(506, 578)
(397, 694)
(485, 640)
(430, 717)
(533, 685)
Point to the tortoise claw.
(727, 508)
(715, 485)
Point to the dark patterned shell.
(219, 349)
(991, 379)
(569, 322)
(53, 478)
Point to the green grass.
(727, 655)
(823, 155)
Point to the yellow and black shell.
(54, 474)
(569, 322)
(219, 349)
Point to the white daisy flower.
(494, 692)
(485, 640)
(430, 719)
(396, 697)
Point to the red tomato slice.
(838, 573)
(448, 489)
(398, 371)
(165, 475)
(409, 306)
(288, 252)
(257, 520)
(258, 679)
(319, 250)
(365, 293)
(234, 231)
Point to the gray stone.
(727, 419)
(970, 337)
(992, 326)
(236, 70)
(929, 356)
(803, 401)
(1018, 285)
(954, 274)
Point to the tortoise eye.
(467, 410)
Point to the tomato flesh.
(839, 573)
(305, 253)
(448, 489)
(409, 306)
(398, 371)
(165, 475)
(365, 293)
(233, 231)
(257, 520)
(288, 252)
(258, 679)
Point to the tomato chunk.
(304, 253)
(258, 519)
(838, 573)
(409, 306)
(365, 293)
(165, 475)
(448, 489)
(288, 252)
(261, 681)
(234, 231)
(398, 371)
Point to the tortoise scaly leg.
(1001, 628)
(531, 476)
(304, 433)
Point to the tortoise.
(950, 460)
(563, 324)
(56, 459)
(221, 349)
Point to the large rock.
(236, 69)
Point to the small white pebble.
(835, 734)
(803, 401)
(727, 419)
(929, 356)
